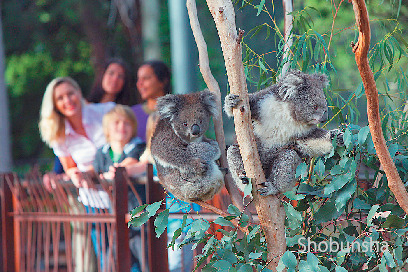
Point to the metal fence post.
(7, 226)
(157, 252)
(122, 230)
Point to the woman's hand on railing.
(76, 177)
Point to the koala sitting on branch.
(184, 157)
(284, 118)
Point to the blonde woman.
(72, 128)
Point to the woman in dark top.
(115, 85)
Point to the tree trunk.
(287, 9)
(270, 210)
(214, 87)
(130, 15)
(5, 149)
(361, 50)
(96, 34)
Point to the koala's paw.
(338, 135)
(200, 167)
(231, 102)
(244, 179)
(224, 170)
(268, 189)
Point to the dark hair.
(124, 97)
(162, 71)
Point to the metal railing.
(51, 230)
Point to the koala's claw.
(244, 179)
(231, 102)
(338, 135)
(268, 190)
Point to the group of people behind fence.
(94, 136)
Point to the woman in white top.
(72, 128)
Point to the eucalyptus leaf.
(370, 216)
(362, 134)
(289, 260)
(139, 220)
(223, 222)
(345, 194)
(153, 208)
(222, 265)
(161, 222)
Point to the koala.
(185, 159)
(284, 118)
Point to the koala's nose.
(195, 129)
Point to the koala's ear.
(322, 79)
(209, 101)
(167, 105)
(290, 83)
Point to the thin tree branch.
(213, 86)
(222, 213)
(361, 50)
(288, 18)
(270, 210)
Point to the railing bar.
(110, 249)
(67, 239)
(98, 242)
(39, 247)
(52, 201)
(103, 245)
(24, 234)
(56, 265)
(60, 196)
(89, 243)
(37, 196)
(64, 218)
(45, 195)
(47, 238)
(14, 190)
(29, 241)
(142, 227)
(107, 187)
(54, 238)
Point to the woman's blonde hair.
(119, 110)
(52, 123)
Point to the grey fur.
(284, 118)
(184, 157)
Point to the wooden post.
(122, 230)
(157, 250)
(7, 226)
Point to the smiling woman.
(72, 128)
(113, 85)
(153, 81)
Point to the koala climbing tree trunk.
(270, 211)
(361, 50)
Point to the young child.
(123, 149)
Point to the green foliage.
(27, 76)
(343, 198)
